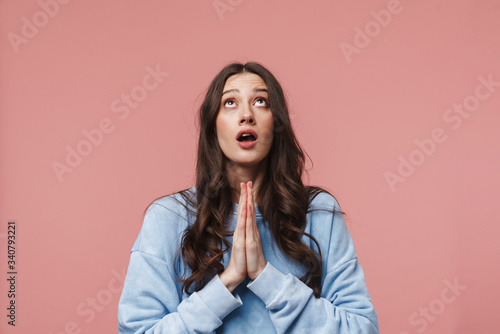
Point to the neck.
(239, 173)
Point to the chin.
(245, 162)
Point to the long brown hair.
(283, 199)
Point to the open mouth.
(247, 137)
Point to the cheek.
(269, 130)
(221, 128)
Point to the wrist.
(229, 283)
(258, 271)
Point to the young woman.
(249, 249)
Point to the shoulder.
(177, 205)
(328, 226)
(324, 216)
(323, 200)
(164, 222)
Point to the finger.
(238, 213)
(241, 200)
(243, 203)
(255, 260)
(251, 221)
(252, 231)
(238, 254)
(252, 237)
(239, 235)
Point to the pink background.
(357, 114)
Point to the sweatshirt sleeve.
(151, 300)
(344, 306)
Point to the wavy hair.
(283, 199)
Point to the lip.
(247, 144)
(249, 131)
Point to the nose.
(247, 116)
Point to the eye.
(229, 101)
(261, 100)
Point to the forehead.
(242, 80)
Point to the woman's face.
(245, 106)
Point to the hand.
(255, 255)
(247, 256)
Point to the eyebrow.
(237, 90)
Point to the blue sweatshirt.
(152, 300)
